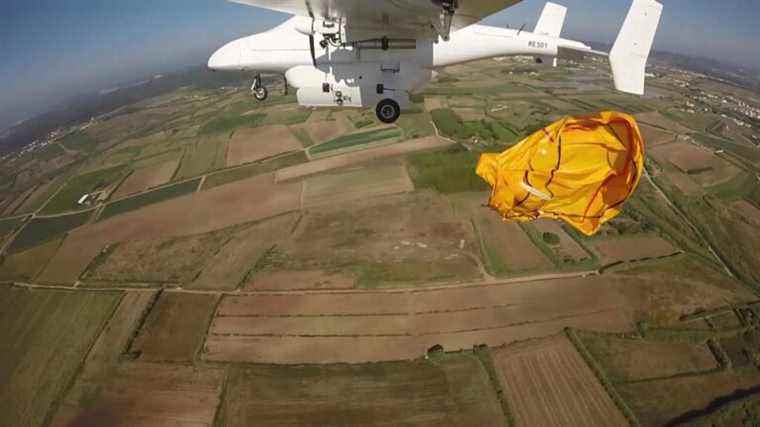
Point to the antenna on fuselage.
(520, 30)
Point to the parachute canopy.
(579, 169)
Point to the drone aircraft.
(364, 53)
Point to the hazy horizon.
(55, 50)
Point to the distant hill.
(81, 107)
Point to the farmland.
(570, 393)
(64, 325)
(246, 263)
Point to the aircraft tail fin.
(552, 20)
(630, 52)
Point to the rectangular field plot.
(253, 144)
(363, 182)
(353, 141)
(147, 177)
(149, 198)
(565, 249)
(67, 197)
(506, 248)
(175, 328)
(46, 334)
(144, 394)
(633, 248)
(548, 383)
(42, 229)
(635, 359)
(452, 391)
(26, 265)
(205, 155)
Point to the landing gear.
(388, 111)
(258, 90)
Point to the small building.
(82, 200)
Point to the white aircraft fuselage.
(360, 72)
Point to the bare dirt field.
(356, 157)
(167, 260)
(684, 183)
(144, 394)
(147, 177)
(320, 129)
(382, 241)
(236, 203)
(231, 265)
(374, 326)
(701, 165)
(567, 249)
(252, 144)
(434, 102)
(548, 383)
(664, 401)
(356, 183)
(174, 329)
(470, 114)
(633, 248)
(452, 391)
(636, 359)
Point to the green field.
(354, 139)
(66, 199)
(450, 171)
(79, 141)
(8, 225)
(303, 137)
(202, 156)
(50, 152)
(40, 230)
(247, 171)
(230, 121)
(45, 336)
(156, 196)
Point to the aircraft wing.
(392, 18)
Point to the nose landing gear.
(258, 90)
(388, 111)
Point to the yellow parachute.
(579, 169)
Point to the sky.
(52, 49)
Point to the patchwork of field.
(656, 119)
(357, 327)
(41, 229)
(547, 382)
(454, 390)
(633, 248)
(26, 265)
(46, 334)
(145, 178)
(506, 247)
(204, 155)
(224, 206)
(252, 144)
(565, 248)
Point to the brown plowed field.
(748, 211)
(633, 248)
(683, 182)
(656, 119)
(356, 157)
(175, 327)
(142, 394)
(252, 144)
(239, 202)
(654, 136)
(147, 177)
(507, 247)
(361, 183)
(548, 383)
(327, 327)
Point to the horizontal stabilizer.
(630, 52)
(551, 21)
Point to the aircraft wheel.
(388, 111)
(260, 93)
